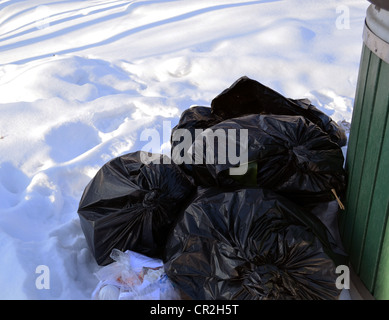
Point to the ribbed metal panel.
(364, 224)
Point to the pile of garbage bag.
(245, 207)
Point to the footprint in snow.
(70, 140)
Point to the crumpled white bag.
(133, 276)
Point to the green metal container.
(364, 224)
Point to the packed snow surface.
(81, 80)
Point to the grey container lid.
(376, 31)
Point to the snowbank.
(80, 81)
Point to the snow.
(81, 80)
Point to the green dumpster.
(364, 224)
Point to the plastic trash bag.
(196, 117)
(246, 96)
(250, 244)
(287, 154)
(328, 214)
(184, 133)
(133, 276)
(131, 205)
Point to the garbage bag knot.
(151, 199)
(263, 280)
(300, 154)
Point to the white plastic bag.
(133, 276)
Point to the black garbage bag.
(192, 120)
(250, 244)
(287, 154)
(131, 205)
(328, 213)
(247, 96)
